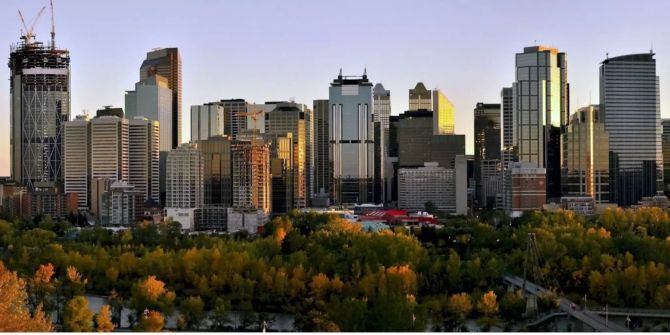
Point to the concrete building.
(463, 172)
(109, 148)
(144, 157)
(586, 146)
(251, 177)
(235, 116)
(184, 184)
(541, 109)
(207, 120)
(249, 221)
(351, 139)
(211, 218)
(322, 167)
(630, 109)
(490, 187)
(508, 151)
(218, 171)
(99, 186)
(49, 201)
(524, 187)
(382, 110)
(122, 204)
(77, 158)
(39, 88)
(165, 62)
(430, 183)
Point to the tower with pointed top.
(352, 141)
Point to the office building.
(382, 110)
(166, 62)
(508, 150)
(217, 171)
(235, 116)
(487, 143)
(77, 158)
(122, 204)
(463, 172)
(284, 119)
(351, 139)
(428, 184)
(490, 185)
(282, 158)
(207, 120)
(109, 148)
(524, 187)
(322, 171)
(444, 114)
(420, 98)
(630, 109)
(541, 109)
(211, 218)
(184, 184)
(586, 147)
(665, 145)
(251, 176)
(39, 88)
(98, 188)
(144, 157)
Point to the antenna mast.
(53, 26)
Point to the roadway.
(593, 320)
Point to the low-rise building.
(524, 187)
(428, 184)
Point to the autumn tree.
(151, 294)
(103, 320)
(77, 317)
(488, 306)
(151, 321)
(42, 287)
(14, 314)
(460, 305)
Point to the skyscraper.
(144, 157)
(39, 86)
(251, 176)
(541, 110)
(665, 143)
(351, 138)
(184, 178)
(630, 105)
(443, 114)
(420, 98)
(235, 119)
(508, 150)
(166, 62)
(207, 120)
(109, 148)
(382, 110)
(586, 147)
(77, 158)
(217, 172)
(282, 172)
(487, 147)
(322, 171)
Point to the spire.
(340, 75)
(365, 71)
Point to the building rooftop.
(644, 57)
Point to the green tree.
(192, 309)
(77, 317)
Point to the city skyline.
(468, 60)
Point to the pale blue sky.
(273, 50)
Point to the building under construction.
(39, 105)
(251, 177)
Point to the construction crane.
(254, 118)
(53, 26)
(27, 31)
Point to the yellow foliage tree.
(104, 320)
(14, 314)
(460, 305)
(153, 321)
(77, 317)
(489, 304)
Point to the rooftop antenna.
(365, 71)
(340, 75)
(53, 26)
(607, 55)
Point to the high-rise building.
(154, 100)
(235, 116)
(259, 111)
(286, 119)
(382, 110)
(351, 139)
(508, 149)
(586, 147)
(166, 62)
(251, 176)
(630, 108)
(122, 204)
(487, 142)
(184, 178)
(144, 157)
(217, 172)
(420, 98)
(207, 120)
(443, 114)
(541, 110)
(430, 183)
(322, 170)
(77, 158)
(109, 148)
(282, 155)
(665, 144)
(39, 87)
(524, 188)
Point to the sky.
(277, 50)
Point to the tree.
(489, 305)
(192, 309)
(14, 314)
(103, 320)
(460, 305)
(77, 317)
(42, 286)
(152, 321)
(151, 294)
(219, 315)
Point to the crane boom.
(53, 26)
